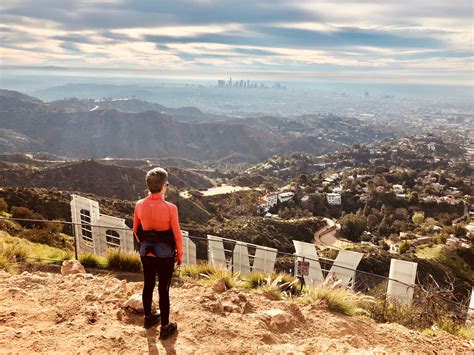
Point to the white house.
(398, 188)
(333, 198)
(285, 196)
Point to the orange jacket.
(154, 213)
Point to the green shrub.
(123, 261)
(3, 205)
(90, 260)
(26, 213)
(467, 333)
(10, 226)
(48, 236)
(7, 265)
(404, 246)
(15, 252)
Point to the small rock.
(247, 307)
(135, 304)
(277, 320)
(295, 311)
(219, 286)
(230, 308)
(91, 297)
(72, 267)
(84, 276)
(216, 307)
(242, 297)
(16, 290)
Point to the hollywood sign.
(98, 233)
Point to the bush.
(123, 261)
(7, 265)
(283, 283)
(3, 205)
(353, 225)
(404, 246)
(338, 299)
(26, 213)
(10, 226)
(198, 271)
(90, 260)
(255, 280)
(48, 237)
(15, 252)
(418, 218)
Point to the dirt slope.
(77, 313)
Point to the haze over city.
(422, 42)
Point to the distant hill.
(92, 177)
(11, 94)
(11, 141)
(130, 105)
(130, 128)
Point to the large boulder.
(70, 267)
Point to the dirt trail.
(43, 312)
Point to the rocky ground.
(45, 312)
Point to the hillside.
(105, 133)
(83, 313)
(130, 128)
(92, 177)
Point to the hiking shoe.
(150, 321)
(168, 330)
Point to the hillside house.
(285, 196)
(398, 188)
(333, 198)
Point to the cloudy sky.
(416, 41)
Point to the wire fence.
(362, 281)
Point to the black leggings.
(164, 268)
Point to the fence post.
(75, 240)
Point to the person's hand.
(178, 261)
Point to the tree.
(404, 246)
(3, 205)
(26, 213)
(418, 218)
(459, 230)
(372, 221)
(384, 227)
(353, 225)
(413, 199)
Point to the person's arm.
(136, 222)
(177, 233)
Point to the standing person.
(156, 227)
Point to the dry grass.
(90, 260)
(338, 299)
(198, 271)
(26, 251)
(123, 261)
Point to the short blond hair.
(155, 179)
